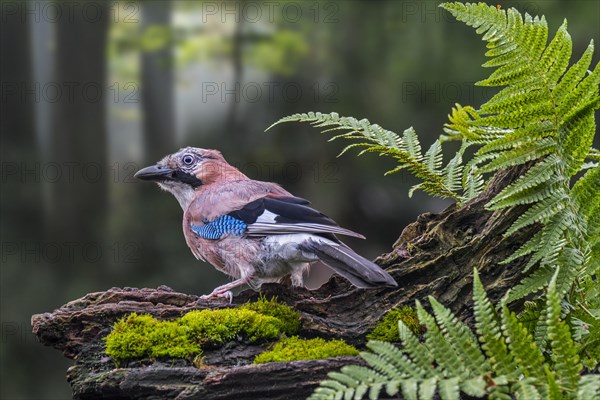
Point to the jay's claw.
(224, 291)
(228, 294)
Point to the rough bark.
(433, 256)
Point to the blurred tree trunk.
(157, 86)
(78, 142)
(232, 125)
(158, 127)
(18, 144)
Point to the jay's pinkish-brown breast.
(216, 200)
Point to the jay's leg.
(225, 290)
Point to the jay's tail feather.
(344, 261)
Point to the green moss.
(289, 318)
(144, 336)
(215, 327)
(387, 329)
(139, 336)
(294, 348)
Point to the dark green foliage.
(543, 116)
(387, 329)
(585, 322)
(546, 115)
(442, 182)
(294, 349)
(502, 361)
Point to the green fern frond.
(589, 387)
(452, 173)
(563, 351)
(459, 365)
(593, 155)
(520, 155)
(575, 74)
(488, 330)
(593, 228)
(526, 390)
(422, 358)
(522, 346)
(543, 118)
(550, 109)
(540, 334)
(537, 280)
(586, 193)
(540, 278)
(411, 142)
(540, 212)
(433, 156)
(527, 248)
(473, 182)
(515, 103)
(449, 389)
(516, 138)
(575, 260)
(582, 95)
(385, 352)
(530, 315)
(539, 174)
(528, 196)
(555, 59)
(459, 127)
(443, 351)
(580, 129)
(406, 149)
(460, 337)
(409, 389)
(552, 241)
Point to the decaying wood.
(434, 256)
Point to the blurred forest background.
(93, 91)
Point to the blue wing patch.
(219, 227)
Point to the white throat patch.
(184, 193)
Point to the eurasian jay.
(256, 231)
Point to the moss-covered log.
(433, 256)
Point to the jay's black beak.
(158, 173)
(154, 173)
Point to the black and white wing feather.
(286, 215)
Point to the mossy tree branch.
(433, 256)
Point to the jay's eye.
(188, 159)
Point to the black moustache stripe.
(186, 178)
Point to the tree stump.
(433, 256)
